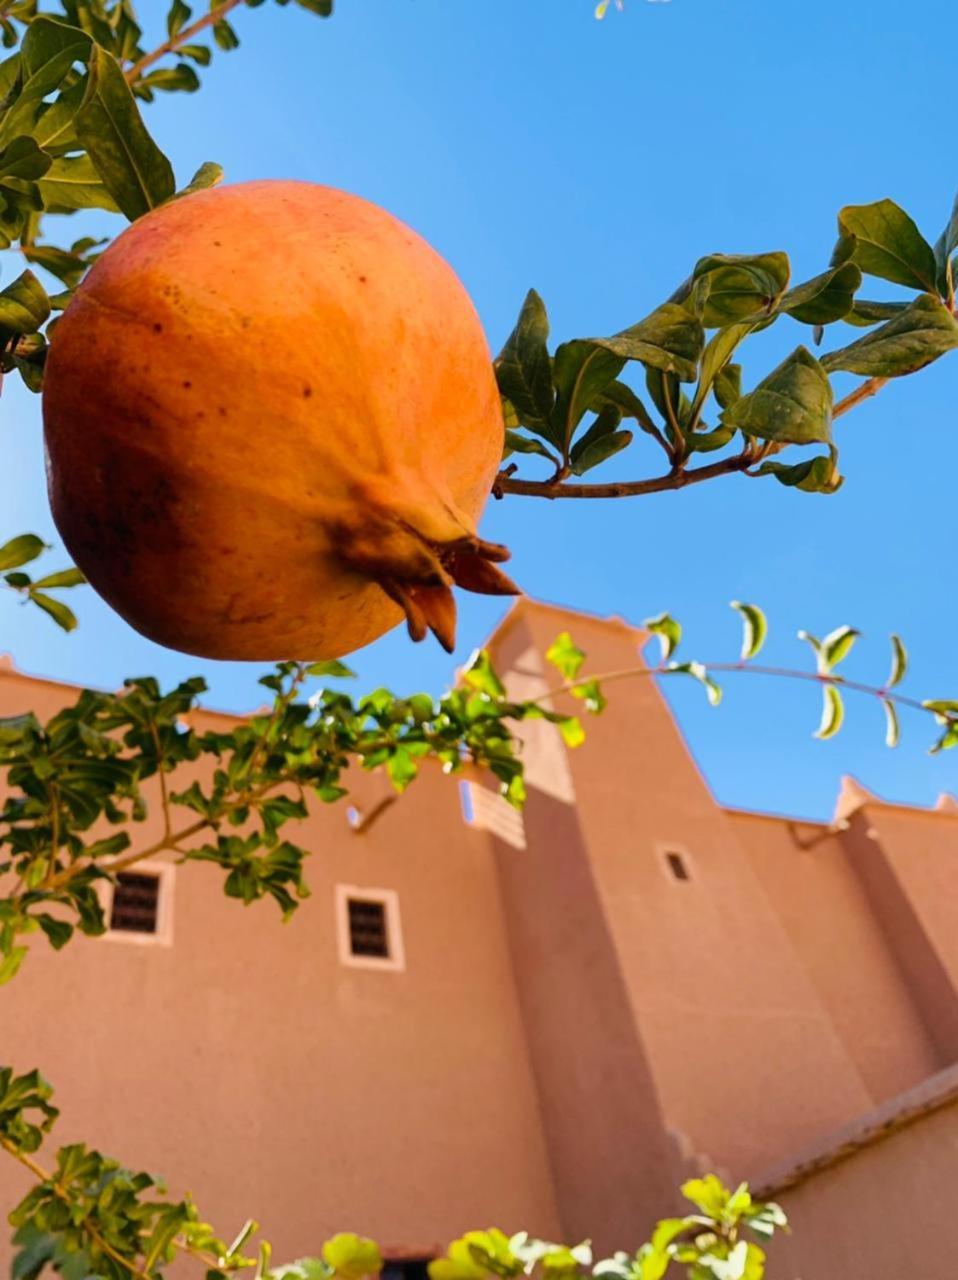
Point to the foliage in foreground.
(89, 1216)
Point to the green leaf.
(824, 298)
(864, 314)
(402, 768)
(619, 395)
(728, 384)
(892, 728)
(481, 674)
(793, 404)
(599, 450)
(582, 370)
(698, 671)
(133, 169)
(729, 289)
(181, 78)
(715, 358)
(66, 266)
(944, 707)
(331, 668)
(945, 246)
(566, 656)
(177, 18)
(573, 734)
(73, 182)
(913, 339)
(886, 243)
(10, 964)
(755, 628)
(59, 932)
(322, 8)
(24, 304)
(225, 36)
(523, 367)
(20, 550)
(516, 443)
(48, 52)
(24, 160)
(707, 441)
(668, 631)
(947, 740)
(833, 713)
(816, 646)
(58, 611)
(64, 578)
(814, 475)
(590, 692)
(352, 1256)
(200, 53)
(207, 175)
(837, 645)
(708, 1194)
(899, 662)
(670, 339)
(54, 127)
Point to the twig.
(622, 488)
(164, 794)
(744, 667)
(181, 38)
(869, 388)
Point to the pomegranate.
(271, 425)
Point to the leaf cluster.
(76, 784)
(72, 138)
(572, 407)
(89, 1217)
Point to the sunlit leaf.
(755, 628)
(668, 631)
(833, 712)
(892, 729)
(899, 662)
(131, 166)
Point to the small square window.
(136, 903)
(677, 865)
(368, 929)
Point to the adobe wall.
(906, 861)
(722, 1006)
(824, 907)
(884, 1210)
(249, 1066)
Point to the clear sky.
(534, 146)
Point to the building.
(545, 1022)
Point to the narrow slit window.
(368, 929)
(676, 864)
(136, 903)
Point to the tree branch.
(181, 38)
(621, 488)
(868, 388)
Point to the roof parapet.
(851, 796)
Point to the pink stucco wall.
(574, 1029)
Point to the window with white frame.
(138, 906)
(368, 928)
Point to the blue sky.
(534, 146)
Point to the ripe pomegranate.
(271, 425)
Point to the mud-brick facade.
(575, 1010)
